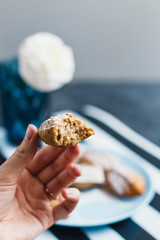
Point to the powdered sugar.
(91, 174)
(53, 121)
(117, 182)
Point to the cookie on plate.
(91, 176)
(119, 179)
(125, 182)
(100, 159)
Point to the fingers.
(63, 179)
(23, 154)
(72, 196)
(45, 156)
(67, 157)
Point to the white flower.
(45, 62)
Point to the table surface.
(137, 105)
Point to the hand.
(29, 180)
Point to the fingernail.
(69, 191)
(29, 133)
(75, 170)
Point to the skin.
(25, 206)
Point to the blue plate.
(98, 208)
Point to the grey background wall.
(111, 39)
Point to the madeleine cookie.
(91, 176)
(64, 130)
(119, 179)
(94, 158)
(126, 183)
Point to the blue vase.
(21, 104)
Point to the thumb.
(23, 154)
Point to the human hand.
(25, 209)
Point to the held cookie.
(64, 130)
